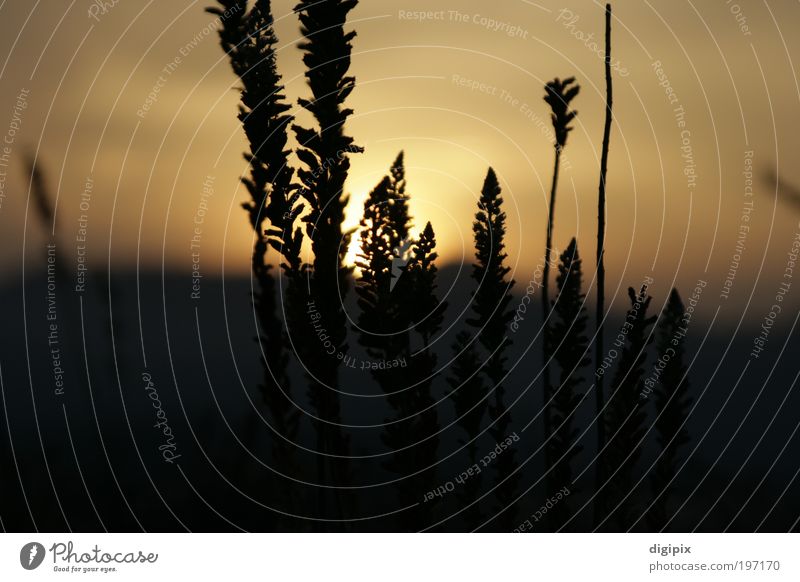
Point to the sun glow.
(352, 223)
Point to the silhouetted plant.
(567, 341)
(375, 266)
(558, 95)
(399, 217)
(625, 417)
(325, 152)
(426, 311)
(426, 322)
(384, 320)
(672, 402)
(492, 316)
(384, 228)
(249, 40)
(468, 391)
(233, 32)
(413, 439)
(601, 270)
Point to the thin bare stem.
(558, 94)
(546, 299)
(601, 271)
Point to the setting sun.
(572, 308)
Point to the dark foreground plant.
(558, 95)
(468, 392)
(625, 416)
(325, 152)
(491, 318)
(384, 229)
(414, 433)
(249, 40)
(601, 272)
(567, 341)
(672, 402)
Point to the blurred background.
(729, 65)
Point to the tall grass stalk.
(672, 403)
(601, 270)
(491, 319)
(249, 40)
(558, 95)
(626, 418)
(568, 343)
(325, 151)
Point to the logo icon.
(31, 555)
(399, 261)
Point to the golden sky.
(458, 88)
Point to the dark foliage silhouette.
(558, 95)
(398, 214)
(601, 269)
(416, 440)
(491, 319)
(325, 152)
(249, 40)
(384, 229)
(400, 313)
(566, 340)
(425, 309)
(625, 416)
(468, 392)
(671, 399)
(392, 303)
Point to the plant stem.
(601, 271)
(546, 392)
